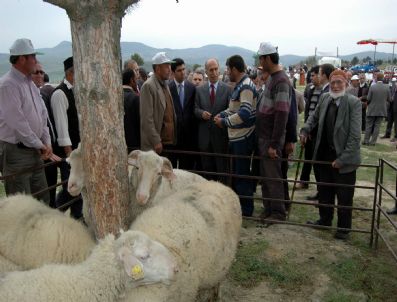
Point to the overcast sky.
(297, 27)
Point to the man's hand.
(302, 139)
(158, 148)
(336, 165)
(206, 115)
(218, 121)
(289, 148)
(68, 150)
(272, 153)
(46, 152)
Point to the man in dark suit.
(378, 97)
(183, 94)
(338, 117)
(131, 111)
(212, 98)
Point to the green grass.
(251, 267)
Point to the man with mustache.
(338, 117)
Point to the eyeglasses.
(38, 72)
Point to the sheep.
(7, 265)
(113, 267)
(151, 178)
(200, 225)
(32, 234)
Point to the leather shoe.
(343, 235)
(385, 136)
(301, 186)
(392, 211)
(319, 222)
(312, 197)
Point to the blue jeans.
(241, 166)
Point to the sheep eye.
(144, 257)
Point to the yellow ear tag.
(137, 272)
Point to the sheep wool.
(32, 234)
(200, 225)
(7, 265)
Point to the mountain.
(52, 58)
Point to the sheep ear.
(132, 266)
(133, 157)
(166, 169)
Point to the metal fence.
(376, 211)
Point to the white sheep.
(151, 178)
(200, 225)
(113, 267)
(7, 265)
(32, 234)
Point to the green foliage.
(379, 62)
(138, 59)
(355, 61)
(256, 59)
(367, 59)
(195, 66)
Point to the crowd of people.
(245, 112)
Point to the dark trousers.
(242, 167)
(64, 196)
(215, 163)
(274, 189)
(363, 118)
(344, 195)
(51, 174)
(180, 160)
(307, 167)
(391, 119)
(14, 159)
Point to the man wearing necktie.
(338, 117)
(183, 94)
(212, 98)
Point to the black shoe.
(385, 136)
(343, 235)
(319, 222)
(392, 211)
(312, 197)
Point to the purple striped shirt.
(23, 115)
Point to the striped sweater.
(239, 118)
(273, 110)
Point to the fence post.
(371, 241)
(379, 204)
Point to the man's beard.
(336, 95)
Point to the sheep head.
(145, 260)
(76, 180)
(148, 171)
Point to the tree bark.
(95, 27)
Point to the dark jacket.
(131, 119)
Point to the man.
(24, 135)
(378, 97)
(324, 73)
(133, 65)
(198, 78)
(394, 210)
(211, 99)
(338, 117)
(313, 95)
(158, 119)
(354, 85)
(183, 94)
(362, 95)
(51, 172)
(66, 121)
(271, 123)
(131, 111)
(391, 113)
(239, 119)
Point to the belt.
(22, 146)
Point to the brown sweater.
(167, 131)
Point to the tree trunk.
(95, 27)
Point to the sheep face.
(76, 177)
(145, 260)
(146, 175)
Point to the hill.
(52, 58)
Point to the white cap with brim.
(355, 77)
(266, 48)
(161, 58)
(393, 79)
(22, 47)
